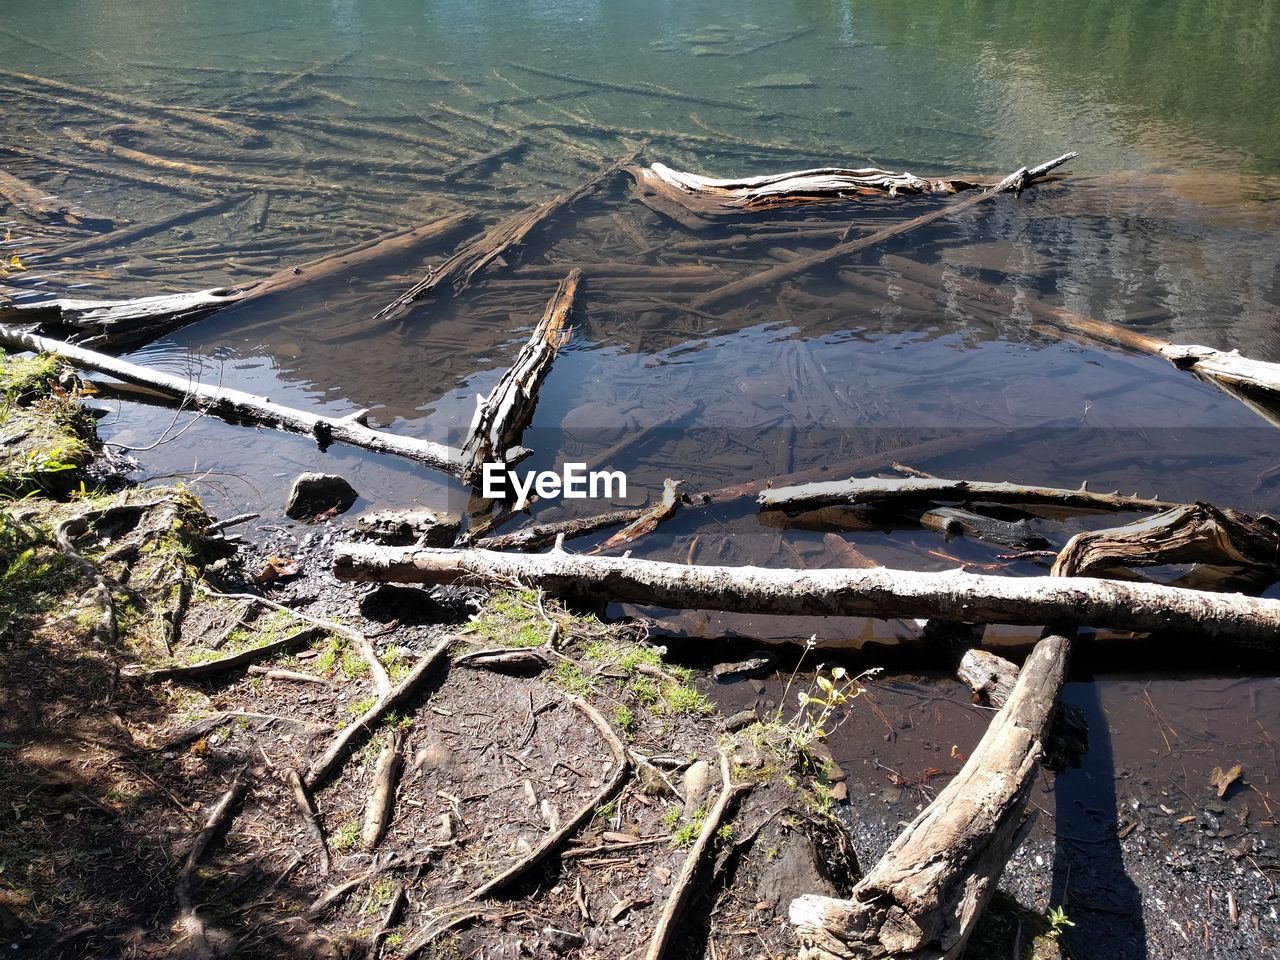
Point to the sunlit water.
(1167, 222)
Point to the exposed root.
(302, 797)
(377, 813)
(191, 671)
(218, 820)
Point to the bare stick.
(344, 741)
(377, 812)
(684, 883)
(1015, 182)
(541, 534)
(237, 406)
(649, 521)
(217, 821)
(302, 797)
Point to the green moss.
(344, 838)
(681, 699)
(645, 690)
(624, 718)
(569, 677)
(362, 706)
(510, 618)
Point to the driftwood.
(1195, 533)
(924, 896)
(242, 135)
(65, 160)
(1015, 182)
(542, 534)
(237, 406)
(45, 207)
(676, 193)
(501, 417)
(937, 489)
(128, 322)
(884, 593)
(459, 270)
(952, 522)
(992, 678)
(649, 520)
(1245, 379)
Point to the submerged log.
(501, 417)
(117, 323)
(1194, 533)
(46, 208)
(936, 489)
(475, 257)
(236, 406)
(883, 593)
(1015, 183)
(661, 188)
(118, 239)
(924, 896)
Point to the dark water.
(1167, 223)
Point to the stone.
(741, 719)
(697, 786)
(793, 872)
(434, 755)
(317, 493)
(758, 665)
(412, 526)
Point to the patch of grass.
(681, 699)
(362, 706)
(627, 656)
(328, 658)
(645, 690)
(380, 895)
(570, 678)
(686, 833)
(354, 666)
(605, 811)
(397, 664)
(510, 618)
(671, 816)
(624, 718)
(345, 837)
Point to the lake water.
(1167, 222)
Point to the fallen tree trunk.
(924, 896)
(662, 188)
(1195, 533)
(118, 239)
(934, 489)
(456, 272)
(883, 593)
(46, 208)
(236, 406)
(501, 417)
(120, 323)
(1015, 182)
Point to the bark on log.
(936, 489)
(661, 188)
(119, 323)
(992, 678)
(883, 593)
(475, 257)
(1195, 533)
(236, 406)
(501, 417)
(46, 208)
(924, 896)
(1015, 182)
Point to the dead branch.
(274, 673)
(1195, 533)
(236, 406)
(1015, 182)
(883, 593)
(649, 520)
(541, 534)
(689, 870)
(935, 489)
(924, 896)
(192, 671)
(344, 741)
(951, 522)
(459, 270)
(377, 812)
(501, 417)
(306, 806)
(46, 208)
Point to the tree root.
(232, 661)
(108, 629)
(377, 812)
(218, 820)
(684, 883)
(302, 797)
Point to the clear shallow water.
(1167, 223)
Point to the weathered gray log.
(935, 489)
(501, 417)
(951, 521)
(1015, 182)
(924, 896)
(660, 186)
(46, 208)
(1195, 533)
(543, 534)
(458, 271)
(125, 322)
(236, 406)
(992, 678)
(882, 592)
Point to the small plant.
(327, 659)
(671, 817)
(624, 718)
(399, 721)
(362, 706)
(354, 665)
(725, 833)
(1058, 922)
(346, 835)
(645, 691)
(571, 679)
(815, 717)
(605, 811)
(682, 699)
